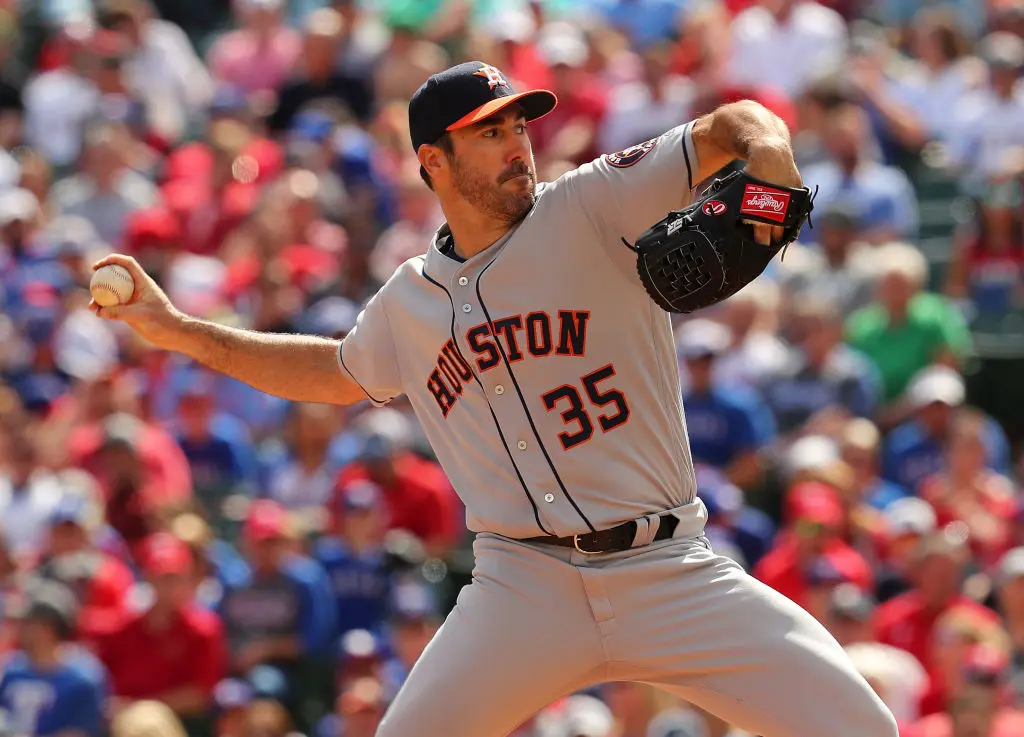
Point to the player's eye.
(490, 133)
(521, 128)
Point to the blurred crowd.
(183, 555)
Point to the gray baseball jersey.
(546, 381)
(544, 376)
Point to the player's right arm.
(300, 368)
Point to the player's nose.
(518, 150)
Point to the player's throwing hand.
(149, 312)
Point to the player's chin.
(519, 204)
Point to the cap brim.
(536, 104)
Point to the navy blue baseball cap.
(466, 94)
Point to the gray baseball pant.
(540, 622)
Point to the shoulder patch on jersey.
(629, 156)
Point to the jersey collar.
(444, 268)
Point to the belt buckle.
(576, 544)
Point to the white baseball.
(111, 285)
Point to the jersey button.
(463, 281)
(499, 389)
(521, 445)
(549, 498)
(467, 308)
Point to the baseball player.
(545, 378)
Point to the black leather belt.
(612, 540)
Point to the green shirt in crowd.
(933, 325)
(420, 13)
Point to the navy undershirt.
(447, 247)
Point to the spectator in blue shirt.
(731, 523)
(644, 22)
(281, 615)
(914, 450)
(50, 688)
(881, 196)
(822, 374)
(281, 611)
(355, 560)
(261, 413)
(29, 267)
(412, 623)
(217, 445)
(726, 425)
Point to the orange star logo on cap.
(493, 76)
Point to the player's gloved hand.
(698, 256)
(776, 165)
(149, 312)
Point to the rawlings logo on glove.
(765, 201)
(700, 255)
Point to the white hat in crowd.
(811, 452)
(936, 384)
(701, 337)
(579, 715)
(910, 516)
(18, 204)
(562, 43)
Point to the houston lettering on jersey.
(536, 334)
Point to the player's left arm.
(626, 192)
(748, 131)
(743, 130)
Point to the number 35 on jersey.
(537, 335)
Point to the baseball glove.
(706, 252)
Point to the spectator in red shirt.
(212, 184)
(140, 469)
(909, 620)
(418, 495)
(815, 517)
(968, 492)
(907, 521)
(956, 632)
(515, 51)
(174, 650)
(100, 581)
(154, 237)
(119, 448)
(981, 709)
(569, 132)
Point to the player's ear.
(432, 159)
